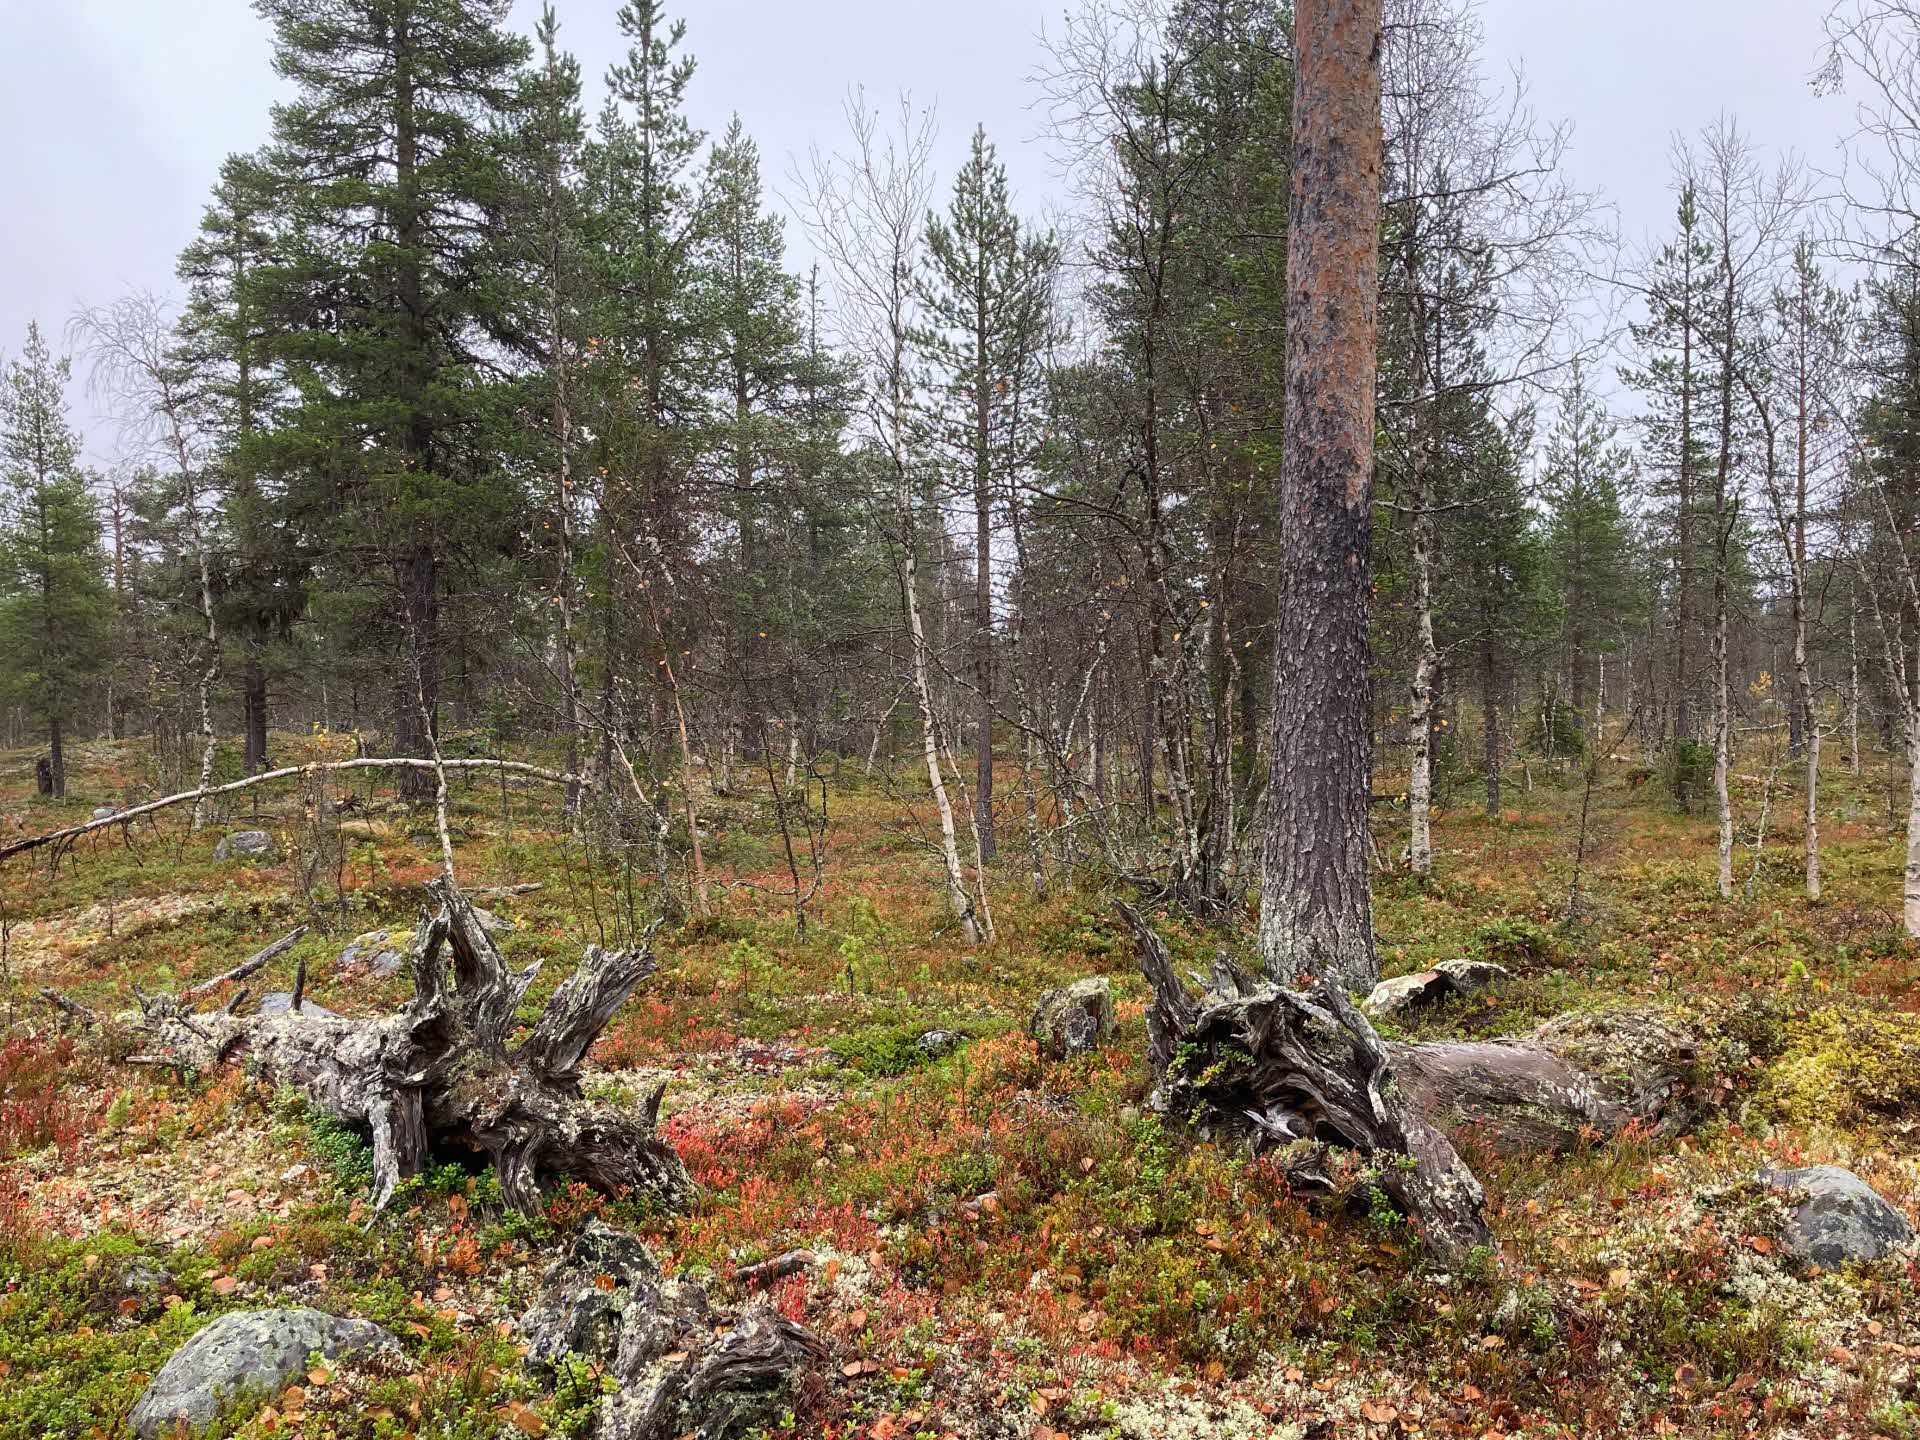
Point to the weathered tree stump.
(1271, 1066)
(445, 1073)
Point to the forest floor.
(1006, 1247)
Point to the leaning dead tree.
(449, 1072)
(1252, 1060)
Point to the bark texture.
(1315, 901)
(1251, 1061)
(446, 1073)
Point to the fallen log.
(1253, 1061)
(445, 1073)
(1584, 1076)
(318, 767)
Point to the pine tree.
(389, 171)
(651, 383)
(980, 274)
(549, 157)
(54, 605)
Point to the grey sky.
(117, 113)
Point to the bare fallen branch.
(792, 1262)
(254, 962)
(120, 817)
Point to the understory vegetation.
(1003, 1245)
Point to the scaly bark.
(1315, 910)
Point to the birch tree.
(867, 208)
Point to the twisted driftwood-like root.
(444, 1072)
(1272, 1066)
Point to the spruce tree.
(54, 605)
(391, 285)
(753, 309)
(1588, 540)
(1674, 341)
(224, 349)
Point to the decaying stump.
(1272, 1066)
(677, 1368)
(446, 1072)
(1254, 1061)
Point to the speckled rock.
(1837, 1216)
(280, 1002)
(1074, 1019)
(376, 952)
(254, 846)
(1449, 977)
(245, 1355)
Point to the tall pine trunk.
(1315, 908)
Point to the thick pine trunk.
(1315, 911)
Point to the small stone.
(105, 812)
(373, 952)
(251, 1353)
(940, 1042)
(1074, 1019)
(1837, 1216)
(252, 846)
(280, 1002)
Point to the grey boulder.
(936, 1043)
(246, 1355)
(255, 846)
(1074, 1019)
(1836, 1216)
(374, 952)
(1449, 977)
(280, 1002)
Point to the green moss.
(1846, 1065)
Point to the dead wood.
(403, 763)
(1253, 1061)
(254, 962)
(450, 1070)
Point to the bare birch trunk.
(1722, 735)
(1420, 708)
(1912, 888)
(1853, 693)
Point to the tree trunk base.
(1270, 1067)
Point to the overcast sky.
(116, 113)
